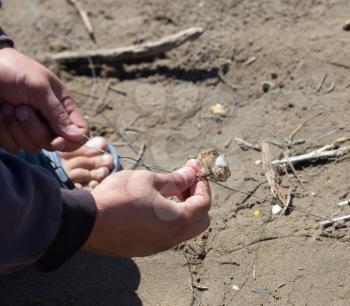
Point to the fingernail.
(95, 143)
(22, 114)
(101, 172)
(72, 129)
(187, 173)
(105, 158)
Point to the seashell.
(218, 109)
(214, 165)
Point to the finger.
(74, 114)
(6, 140)
(92, 148)
(195, 165)
(93, 184)
(174, 184)
(58, 118)
(35, 129)
(89, 163)
(80, 176)
(15, 130)
(84, 176)
(99, 174)
(199, 203)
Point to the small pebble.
(258, 213)
(276, 209)
(346, 26)
(266, 86)
(234, 287)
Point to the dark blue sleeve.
(5, 39)
(40, 223)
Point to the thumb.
(58, 118)
(175, 183)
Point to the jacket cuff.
(78, 219)
(4, 39)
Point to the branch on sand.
(126, 54)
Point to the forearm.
(39, 222)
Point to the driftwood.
(124, 54)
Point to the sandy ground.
(164, 104)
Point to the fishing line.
(134, 161)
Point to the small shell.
(218, 109)
(214, 165)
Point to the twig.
(283, 146)
(85, 18)
(243, 144)
(249, 61)
(120, 92)
(322, 82)
(344, 203)
(313, 156)
(124, 54)
(140, 156)
(327, 223)
(191, 280)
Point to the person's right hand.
(135, 216)
(36, 110)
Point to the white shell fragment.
(218, 109)
(234, 287)
(276, 209)
(214, 166)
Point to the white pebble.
(234, 287)
(276, 209)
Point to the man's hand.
(36, 110)
(135, 216)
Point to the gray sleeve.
(5, 39)
(40, 223)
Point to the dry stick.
(313, 156)
(245, 144)
(327, 223)
(322, 82)
(271, 175)
(123, 54)
(84, 16)
(191, 280)
(344, 203)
